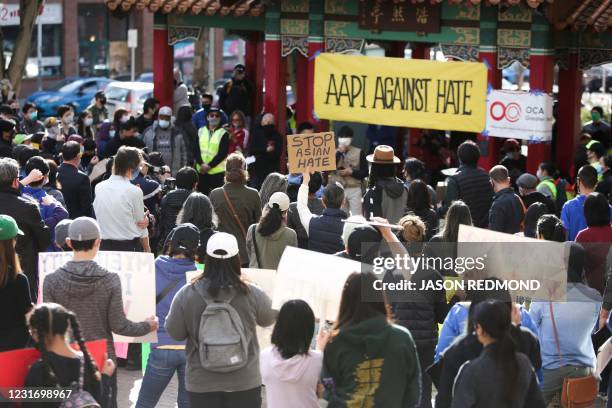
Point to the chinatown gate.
(573, 35)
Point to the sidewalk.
(129, 386)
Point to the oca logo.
(510, 112)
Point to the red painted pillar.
(254, 62)
(302, 91)
(491, 144)
(275, 80)
(568, 115)
(541, 78)
(163, 65)
(314, 46)
(419, 51)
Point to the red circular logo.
(510, 112)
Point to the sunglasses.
(214, 115)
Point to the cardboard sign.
(315, 150)
(401, 92)
(16, 363)
(316, 278)
(137, 273)
(520, 115)
(515, 258)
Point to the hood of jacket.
(35, 192)
(81, 278)
(370, 336)
(171, 268)
(392, 186)
(291, 369)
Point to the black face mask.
(103, 101)
(206, 106)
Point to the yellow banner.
(401, 92)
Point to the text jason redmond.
(397, 93)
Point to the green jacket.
(372, 364)
(270, 248)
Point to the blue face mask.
(135, 174)
(34, 115)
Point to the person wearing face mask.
(51, 211)
(7, 133)
(352, 169)
(513, 160)
(149, 109)
(167, 139)
(98, 110)
(239, 133)
(30, 123)
(266, 146)
(211, 152)
(85, 126)
(597, 128)
(126, 136)
(237, 93)
(66, 125)
(76, 187)
(199, 118)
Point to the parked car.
(145, 77)
(75, 91)
(127, 95)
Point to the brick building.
(80, 38)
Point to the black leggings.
(237, 399)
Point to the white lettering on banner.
(9, 14)
(137, 273)
(519, 115)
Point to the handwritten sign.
(137, 273)
(401, 92)
(314, 150)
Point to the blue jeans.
(161, 367)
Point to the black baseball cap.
(184, 237)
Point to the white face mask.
(344, 141)
(539, 174)
(124, 119)
(111, 133)
(164, 124)
(88, 121)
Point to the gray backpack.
(222, 341)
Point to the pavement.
(128, 383)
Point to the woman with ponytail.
(267, 240)
(501, 376)
(60, 364)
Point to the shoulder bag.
(254, 226)
(579, 392)
(233, 211)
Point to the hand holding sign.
(316, 151)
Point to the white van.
(127, 95)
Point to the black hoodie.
(386, 199)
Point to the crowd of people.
(204, 187)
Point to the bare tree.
(28, 11)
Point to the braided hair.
(50, 319)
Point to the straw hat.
(383, 154)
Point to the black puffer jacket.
(420, 311)
(36, 238)
(171, 204)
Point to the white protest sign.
(519, 115)
(517, 258)
(316, 278)
(137, 273)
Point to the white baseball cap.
(222, 245)
(281, 199)
(165, 110)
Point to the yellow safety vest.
(209, 147)
(551, 186)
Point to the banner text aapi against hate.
(401, 92)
